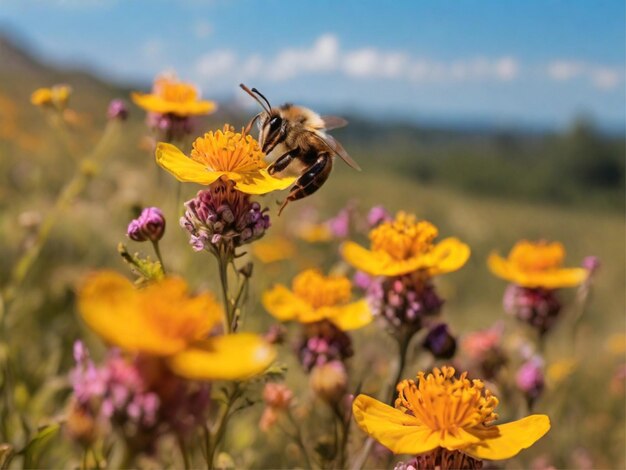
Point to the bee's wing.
(336, 148)
(333, 122)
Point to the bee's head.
(271, 123)
(272, 130)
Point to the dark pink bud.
(150, 225)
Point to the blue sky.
(537, 63)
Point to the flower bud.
(376, 215)
(277, 395)
(117, 110)
(538, 307)
(329, 381)
(440, 342)
(530, 379)
(150, 225)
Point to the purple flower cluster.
(530, 378)
(150, 225)
(117, 110)
(404, 301)
(321, 343)
(170, 127)
(140, 396)
(538, 307)
(221, 215)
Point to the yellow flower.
(163, 320)
(406, 245)
(536, 264)
(271, 250)
(56, 96)
(314, 233)
(441, 411)
(560, 370)
(170, 96)
(315, 297)
(222, 154)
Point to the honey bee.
(299, 136)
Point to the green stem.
(222, 423)
(223, 269)
(183, 452)
(297, 437)
(157, 251)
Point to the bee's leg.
(311, 180)
(283, 161)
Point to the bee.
(299, 136)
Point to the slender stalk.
(297, 437)
(223, 269)
(183, 452)
(157, 251)
(221, 425)
(403, 339)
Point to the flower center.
(445, 403)
(174, 91)
(228, 151)
(403, 237)
(321, 291)
(540, 256)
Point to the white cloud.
(321, 57)
(325, 56)
(601, 77)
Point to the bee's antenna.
(254, 90)
(250, 92)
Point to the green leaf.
(37, 444)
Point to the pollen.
(174, 91)
(321, 291)
(539, 256)
(403, 237)
(228, 151)
(445, 403)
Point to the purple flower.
(538, 307)
(323, 342)
(376, 215)
(440, 342)
(170, 127)
(340, 224)
(530, 378)
(591, 264)
(117, 110)
(150, 225)
(223, 216)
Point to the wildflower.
(323, 342)
(538, 307)
(440, 342)
(530, 379)
(329, 381)
(56, 97)
(315, 297)
(484, 348)
(536, 265)
(221, 216)
(117, 110)
(377, 215)
(222, 154)
(150, 225)
(447, 422)
(560, 370)
(163, 321)
(406, 245)
(171, 96)
(277, 398)
(274, 249)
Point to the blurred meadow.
(490, 185)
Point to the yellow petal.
(109, 305)
(261, 182)
(549, 279)
(398, 431)
(156, 104)
(182, 167)
(507, 440)
(447, 256)
(363, 259)
(229, 357)
(284, 305)
(352, 316)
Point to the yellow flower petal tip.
(171, 96)
(315, 297)
(441, 411)
(536, 264)
(220, 154)
(406, 245)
